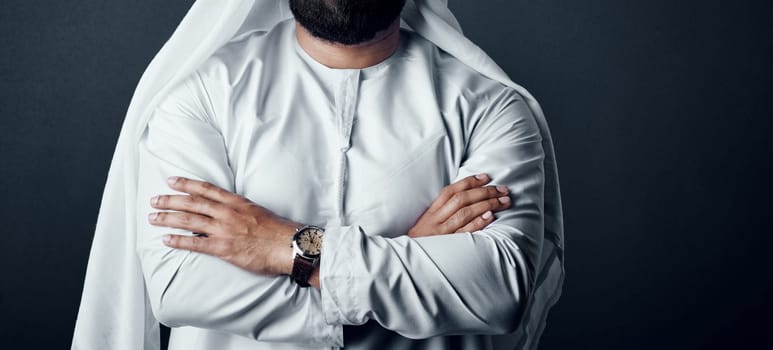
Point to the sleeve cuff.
(338, 276)
(333, 333)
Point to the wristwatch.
(307, 245)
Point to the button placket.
(346, 103)
(349, 101)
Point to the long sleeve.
(192, 289)
(476, 282)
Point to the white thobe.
(362, 153)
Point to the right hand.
(463, 206)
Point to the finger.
(479, 223)
(203, 189)
(199, 244)
(187, 221)
(467, 214)
(456, 187)
(189, 203)
(468, 197)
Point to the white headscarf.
(115, 312)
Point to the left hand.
(235, 229)
(463, 206)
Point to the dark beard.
(346, 22)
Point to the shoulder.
(245, 55)
(463, 91)
(209, 90)
(452, 77)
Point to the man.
(309, 167)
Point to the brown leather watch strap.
(302, 270)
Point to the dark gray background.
(659, 112)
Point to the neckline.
(365, 73)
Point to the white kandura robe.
(362, 153)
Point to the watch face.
(310, 241)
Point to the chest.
(354, 157)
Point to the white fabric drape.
(115, 312)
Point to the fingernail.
(154, 200)
(487, 215)
(172, 180)
(152, 216)
(502, 189)
(481, 176)
(167, 239)
(504, 200)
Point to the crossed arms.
(472, 282)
